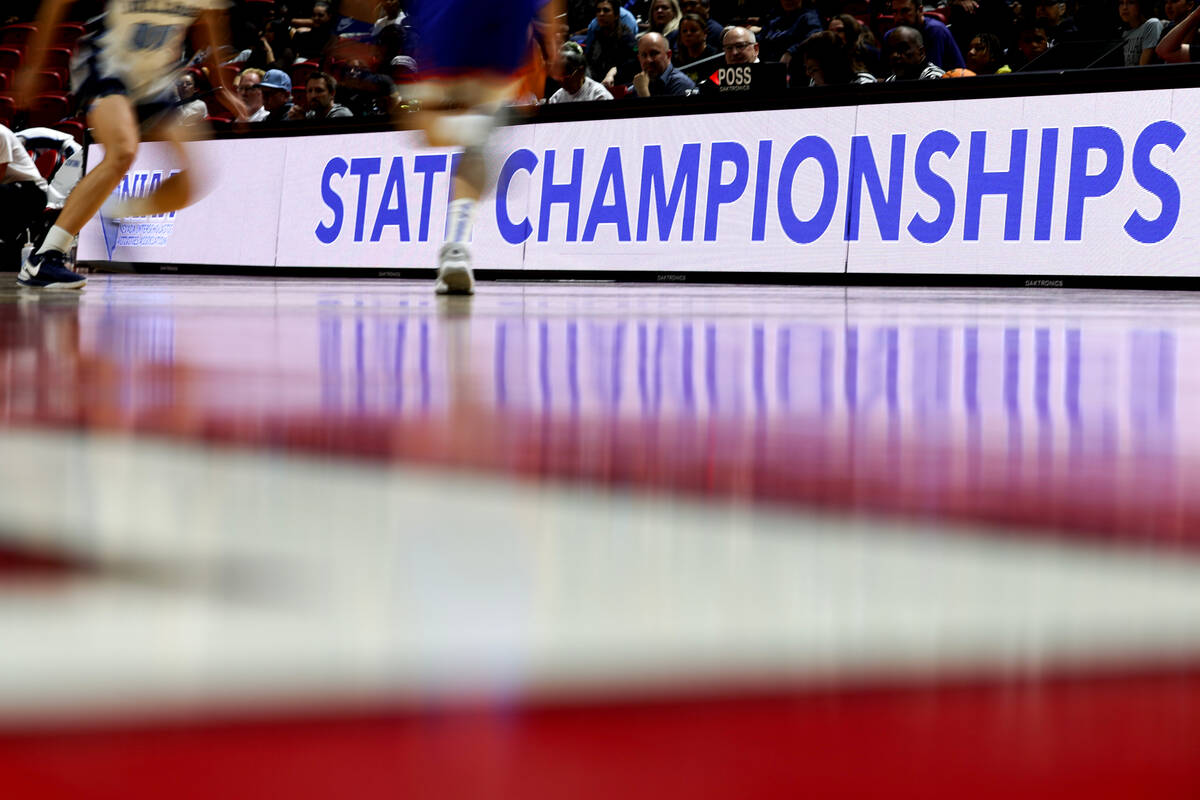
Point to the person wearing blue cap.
(277, 95)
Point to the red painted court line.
(24, 564)
(1117, 737)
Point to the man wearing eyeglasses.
(740, 46)
(252, 94)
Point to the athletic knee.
(119, 157)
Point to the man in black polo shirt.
(658, 77)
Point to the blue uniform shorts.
(459, 37)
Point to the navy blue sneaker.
(47, 271)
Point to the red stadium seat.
(58, 59)
(938, 15)
(10, 59)
(8, 110)
(50, 83)
(48, 109)
(231, 71)
(17, 35)
(74, 127)
(5, 80)
(66, 34)
(883, 24)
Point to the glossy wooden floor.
(590, 540)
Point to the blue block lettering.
(428, 166)
(719, 193)
(807, 231)
(520, 161)
(1156, 182)
(1009, 182)
(687, 177)
(615, 213)
(390, 214)
(762, 188)
(561, 193)
(1045, 194)
(326, 234)
(1081, 185)
(864, 171)
(364, 168)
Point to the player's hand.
(641, 84)
(232, 102)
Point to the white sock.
(458, 220)
(57, 239)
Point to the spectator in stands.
(713, 29)
(1176, 11)
(577, 87)
(781, 37)
(940, 46)
(740, 46)
(365, 93)
(985, 55)
(664, 16)
(392, 15)
(743, 13)
(859, 43)
(320, 91)
(1142, 31)
(658, 77)
(967, 18)
(252, 94)
(905, 51)
(1176, 45)
(1031, 43)
(22, 196)
(311, 41)
(191, 109)
(625, 19)
(612, 54)
(827, 62)
(276, 87)
(692, 45)
(1060, 27)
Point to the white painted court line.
(253, 578)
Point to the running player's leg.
(114, 125)
(177, 191)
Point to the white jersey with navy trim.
(70, 167)
(141, 43)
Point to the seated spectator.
(827, 62)
(365, 93)
(1031, 43)
(612, 54)
(320, 91)
(691, 45)
(985, 56)
(939, 44)
(713, 29)
(67, 173)
(626, 19)
(251, 93)
(781, 37)
(22, 196)
(1176, 11)
(392, 15)
(968, 18)
(905, 51)
(742, 13)
(1060, 27)
(191, 109)
(577, 87)
(658, 77)
(310, 42)
(276, 87)
(664, 17)
(1176, 45)
(859, 43)
(740, 46)
(1142, 31)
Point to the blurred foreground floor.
(345, 538)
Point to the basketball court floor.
(318, 538)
